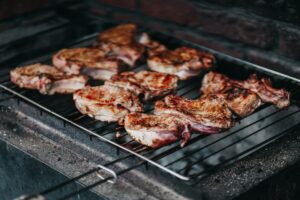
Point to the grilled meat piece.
(264, 89)
(156, 131)
(89, 61)
(184, 62)
(209, 114)
(145, 83)
(153, 47)
(217, 83)
(46, 79)
(121, 42)
(241, 101)
(106, 103)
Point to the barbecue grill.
(201, 157)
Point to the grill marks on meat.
(264, 89)
(155, 131)
(46, 79)
(118, 99)
(106, 103)
(241, 101)
(215, 82)
(207, 115)
(244, 97)
(184, 62)
(175, 117)
(145, 83)
(89, 61)
(121, 42)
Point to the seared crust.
(46, 79)
(242, 102)
(208, 114)
(264, 89)
(218, 83)
(184, 62)
(93, 62)
(154, 131)
(122, 34)
(106, 103)
(145, 83)
(120, 42)
(215, 83)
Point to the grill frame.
(219, 55)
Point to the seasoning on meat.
(89, 61)
(207, 115)
(46, 79)
(244, 97)
(156, 130)
(145, 84)
(121, 42)
(183, 62)
(106, 103)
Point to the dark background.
(265, 32)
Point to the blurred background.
(265, 32)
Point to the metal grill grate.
(203, 154)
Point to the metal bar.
(247, 152)
(195, 162)
(222, 138)
(97, 170)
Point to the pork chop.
(155, 130)
(264, 89)
(46, 79)
(90, 61)
(209, 114)
(106, 103)
(147, 84)
(241, 101)
(184, 62)
(121, 42)
(218, 83)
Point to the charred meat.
(147, 84)
(184, 62)
(264, 89)
(215, 83)
(106, 103)
(121, 42)
(155, 131)
(46, 79)
(89, 61)
(241, 101)
(209, 114)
